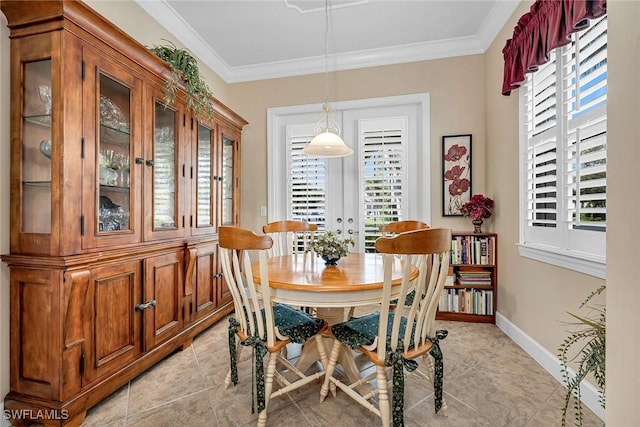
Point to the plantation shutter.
(306, 179)
(383, 177)
(541, 117)
(585, 80)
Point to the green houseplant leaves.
(589, 337)
(185, 71)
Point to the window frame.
(279, 117)
(562, 245)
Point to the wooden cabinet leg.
(186, 344)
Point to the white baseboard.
(549, 362)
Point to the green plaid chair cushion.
(408, 300)
(298, 325)
(363, 330)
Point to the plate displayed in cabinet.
(111, 115)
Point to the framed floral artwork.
(456, 171)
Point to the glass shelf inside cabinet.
(37, 148)
(114, 173)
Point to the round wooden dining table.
(304, 280)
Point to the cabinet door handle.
(139, 161)
(150, 163)
(151, 303)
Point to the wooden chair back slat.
(397, 227)
(290, 237)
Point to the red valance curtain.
(547, 25)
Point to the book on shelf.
(472, 250)
(468, 301)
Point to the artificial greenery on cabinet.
(185, 71)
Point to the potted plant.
(331, 247)
(589, 336)
(479, 208)
(184, 70)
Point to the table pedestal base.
(310, 355)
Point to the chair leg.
(268, 388)
(383, 395)
(333, 359)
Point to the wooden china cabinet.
(116, 199)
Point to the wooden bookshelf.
(471, 294)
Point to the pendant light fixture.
(327, 141)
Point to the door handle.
(150, 303)
(350, 231)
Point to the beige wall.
(534, 302)
(533, 295)
(623, 205)
(457, 106)
(465, 98)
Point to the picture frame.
(456, 173)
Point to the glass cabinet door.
(114, 173)
(229, 144)
(37, 148)
(165, 177)
(205, 177)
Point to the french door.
(384, 180)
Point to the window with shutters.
(564, 154)
(307, 198)
(382, 176)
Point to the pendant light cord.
(326, 61)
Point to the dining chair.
(290, 237)
(262, 324)
(391, 229)
(396, 227)
(393, 338)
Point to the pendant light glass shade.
(327, 141)
(327, 144)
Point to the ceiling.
(244, 40)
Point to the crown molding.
(168, 18)
(496, 19)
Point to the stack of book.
(474, 277)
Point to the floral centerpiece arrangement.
(479, 208)
(331, 247)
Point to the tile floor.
(489, 381)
